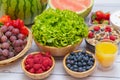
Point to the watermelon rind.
(84, 13)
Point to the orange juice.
(106, 53)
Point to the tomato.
(107, 16)
(24, 31)
(4, 19)
(99, 15)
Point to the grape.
(13, 38)
(0, 51)
(5, 45)
(0, 34)
(10, 48)
(8, 33)
(18, 49)
(4, 28)
(23, 47)
(25, 41)
(16, 43)
(3, 57)
(21, 42)
(5, 52)
(11, 54)
(3, 38)
(21, 36)
(10, 28)
(15, 31)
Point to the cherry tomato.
(4, 19)
(99, 15)
(107, 16)
(24, 31)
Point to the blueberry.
(79, 58)
(75, 59)
(71, 68)
(86, 58)
(72, 53)
(75, 66)
(71, 57)
(79, 53)
(92, 30)
(79, 64)
(90, 62)
(84, 67)
(72, 62)
(88, 67)
(84, 64)
(92, 59)
(80, 69)
(90, 56)
(68, 58)
(76, 63)
(68, 65)
(68, 61)
(84, 70)
(75, 69)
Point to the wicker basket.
(37, 76)
(58, 51)
(28, 45)
(79, 74)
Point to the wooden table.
(14, 72)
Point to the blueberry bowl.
(80, 63)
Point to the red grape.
(21, 36)
(5, 45)
(18, 49)
(13, 38)
(4, 29)
(5, 52)
(3, 57)
(3, 38)
(10, 28)
(0, 34)
(8, 33)
(0, 51)
(15, 31)
(25, 41)
(11, 54)
(16, 43)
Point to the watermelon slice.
(81, 7)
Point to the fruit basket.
(101, 32)
(80, 63)
(38, 72)
(15, 40)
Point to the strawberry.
(112, 37)
(99, 15)
(36, 66)
(96, 28)
(107, 29)
(90, 35)
(107, 16)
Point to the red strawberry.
(90, 35)
(97, 28)
(36, 66)
(112, 37)
(107, 16)
(39, 71)
(107, 29)
(32, 70)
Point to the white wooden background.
(14, 72)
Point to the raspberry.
(30, 56)
(48, 68)
(112, 37)
(97, 28)
(107, 29)
(39, 71)
(48, 54)
(30, 62)
(90, 35)
(36, 66)
(27, 67)
(36, 60)
(32, 70)
(43, 68)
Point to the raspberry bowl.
(80, 63)
(38, 65)
(101, 32)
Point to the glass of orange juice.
(105, 52)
